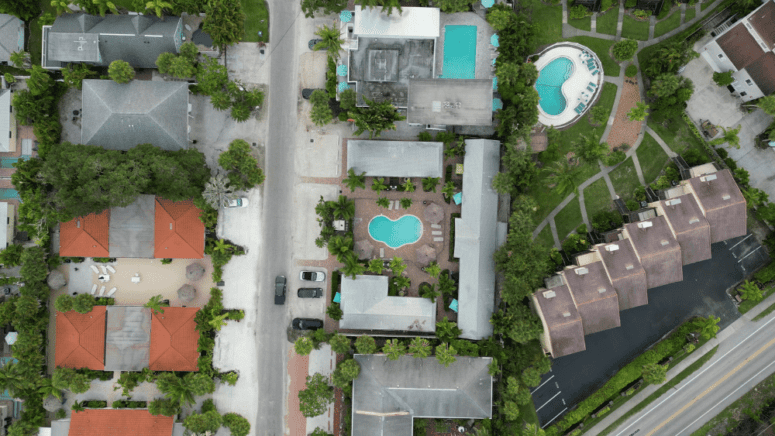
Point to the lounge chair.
(111, 292)
(94, 268)
(438, 239)
(111, 269)
(104, 270)
(594, 73)
(593, 84)
(93, 289)
(102, 291)
(590, 89)
(435, 232)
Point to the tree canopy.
(224, 21)
(242, 168)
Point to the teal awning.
(496, 104)
(343, 86)
(338, 298)
(487, 4)
(494, 83)
(494, 40)
(345, 16)
(458, 198)
(453, 306)
(341, 70)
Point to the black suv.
(279, 290)
(310, 292)
(307, 324)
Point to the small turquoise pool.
(549, 85)
(7, 162)
(9, 194)
(459, 52)
(403, 231)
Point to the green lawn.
(668, 24)
(690, 13)
(597, 198)
(765, 312)
(36, 33)
(547, 22)
(651, 157)
(705, 4)
(625, 179)
(634, 29)
(600, 47)
(606, 23)
(256, 19)
(583, 24)
(545, 236)
(568, 219)
(676, 133)
(747, 305)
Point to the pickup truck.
(279, 290)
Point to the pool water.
(549, 85)
(7, 162)
(9, 194)
(403, 231)
(459, 52)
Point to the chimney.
(549, 294)
(709, 178)
(611, 248)
(581, 271)
(673, 202)
(645, 224)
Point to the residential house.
(721, 202)
(477, 235)
(563, 327)
(461, 102)
(387, 395)
(396, 158)
(746, 48)
(624, 270)
(121, 116)
(148, 228)
(657, 249)
(366, 305)
(174, 340)
(114, 422)
(80, 339)
(127, 338)
(594, 296)
(688, 225)
(7, 214)
(7, 122)
(11, 37)
(136, 39)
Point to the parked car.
(239, 202)
(307, 324)
(310, 292)
(313, 42)
(279, 290)
(312, 276)
(306, 93)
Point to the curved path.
(569, 31)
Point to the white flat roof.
(4, 230)
(411, 23)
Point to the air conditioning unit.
(673, 202)
(581, 271)
(612, 247)
(645, 224)
(549, 294)
(708, 178)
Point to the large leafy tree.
(316, 396)
(23, 9)
(184, 389)
(767, 104)
(345, 372)
(520, 171)
(322, 7)
(16, 378)
(445, 354)
(517, 323)
(589, 148)
(563, 176)
(330, 40)
(121, 72)
(201, 423)
(365, 345)
(393, 349)
(375, 118)
(339, 343)
(224, 21)
(238, 425)
(158, 6)
(654, 373)
(303, 346)
(242, 168)
(74, 74)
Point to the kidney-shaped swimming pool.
(549, 85)
(403, 231)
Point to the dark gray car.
(310, 292)
(279, 290)
(307, 324)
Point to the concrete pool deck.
(574, 89)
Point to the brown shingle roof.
(763, 21)
(80, 339)
(594, 295)
(174, 340)
(723, 204)
(119, 422)
(657, 249)
(689, 226)
(566, 333)
(739, 46)
(762, 71)
(626, 273)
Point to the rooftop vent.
(582, 271)
(629, 266)
(600, 290)
(170, 226)
(664, 242)
(694, 220)
(566, 314)
(549, 294)
(708, 178)
(674, 202)
(612, 247)
(725, 197)
(78, 224)
(645, 224)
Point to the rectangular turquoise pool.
(459, 52)
(7, 162)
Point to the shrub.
(606, 220)
(578, 12)
(766, 274)
(60, 413)
(631, 70)
(230, 378)
(630, 3)
(625, 49)
(606, 4)
(639, 13)
(237, 424)
(614, 158)
(632, 205)
(425, 136)
(723, 79)
(335, 312)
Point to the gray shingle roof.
(387, 395)
(11, 36)
(119, 117)
(127, 338)
(132, 228)
(475, 238)
(396, 158)
(367, 306)
(136, 39)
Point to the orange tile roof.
(179, 234)
(87, 236)
(80, 339)
(120, 422)
(174, 340)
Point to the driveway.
(702, 292)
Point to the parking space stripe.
(550, 399)
(555, 417)
(539, 387)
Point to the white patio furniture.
(111, 292)
(102, 291)
(93, 289)
(111, 269)
(94, 268)
(390, 206)
(436, 232)
(382, 252)
(136, 278)
(104, 278)
(104, 270)
(435, 226)
(438, 239)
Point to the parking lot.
(701, 293)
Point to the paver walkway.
(624, 131)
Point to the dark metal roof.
(128, 338)
(132, 228)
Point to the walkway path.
(619, 129)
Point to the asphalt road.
(743, 359)
(276, 256)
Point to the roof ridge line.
(148, 113)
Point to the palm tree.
(730, 136)
(429, 184)
(104, 6)
(397, 265)
(379, 185)
(217, 192)
(340, 246)
(429, 292)
(330, 41)
(343, 208)
(448, 189)
(77, 406)
(433, 269)
(156, 303)
(218, 321)
(408, 186)
(355, 181)
(383, 202)
(388, 5)
(21, 59)
(562, 175)
(51, 387)
(158, 6)
(352, 267)
(401, 282)
(420, 347)
(61, 5)
(393, 349)
(406, 203)
(376, 266)
(14, 378)
(445, 354)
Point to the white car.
(239, 202)
(312, 276)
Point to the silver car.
(312, 276)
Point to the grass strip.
(568, 218)
(635, 29)
(606, 23)
(601, 48)
(582, 23)
(690, 13)
(765, 312)
(747, 305)
(545, 237)
(664, 388)
(651, 157)
(256, 20)
(668, 24)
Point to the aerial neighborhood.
(387, 217)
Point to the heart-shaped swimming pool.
(403, 231)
